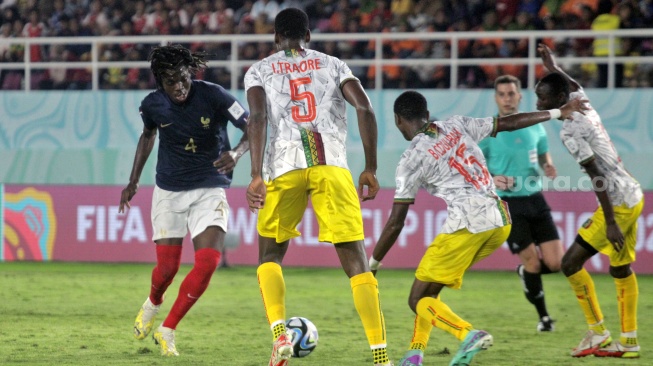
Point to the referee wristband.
(555, 113)
(374, 264)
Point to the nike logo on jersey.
(165, 125)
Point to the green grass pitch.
(82, 314)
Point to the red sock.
(197, 280)
(168, 258)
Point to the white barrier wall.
(89, 137)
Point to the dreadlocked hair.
(172, 57)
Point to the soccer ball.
(304, 338)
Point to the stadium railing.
(236, 65)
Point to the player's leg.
(284, 207)
(583, 286)
(536, 227)
(208, 211)
(421, 334)
(169, 228)
(531, 278)
(626, 283)
(365, 291)
(444, 264)
(337, 209)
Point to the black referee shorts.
(531, 222)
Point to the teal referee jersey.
(515, 154)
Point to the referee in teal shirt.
(514, 159)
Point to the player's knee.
(412, 302)
(167, 270)
(206, 260)
(621, 271)
(569, 266)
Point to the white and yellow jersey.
(586, 139)
(444, 158)
(306, 109)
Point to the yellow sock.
(583, 286)
(366, 300)
(627, 294)
(273, 291)
(441, 316)
(421, 333)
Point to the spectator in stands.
(401, 8)
(607, 21)
(244, 12)
(268, 7)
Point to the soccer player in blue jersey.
(194, 166)
(513, 159)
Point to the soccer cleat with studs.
(591, 343)
(413, 357)
(545, 324)
(145, 319)
(476, 340)
(165, 339)
(616, 349)
(282, 349)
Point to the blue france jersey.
(192, 135)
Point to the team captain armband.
(554, 113)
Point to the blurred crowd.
(83, 18)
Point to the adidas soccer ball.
(304, 339)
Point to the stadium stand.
(116, 18)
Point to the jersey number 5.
(296, 96)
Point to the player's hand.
(550, 170)
(256, 192)
(226, 162)
(126, 196)
(615, 236)
(368, 178)
(574, 105)
(503, 182)
(547, 57)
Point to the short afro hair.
(291, 23)
(557, 83)
(172, 57)
(411, 105)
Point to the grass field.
(82, 314)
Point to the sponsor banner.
(82, 223)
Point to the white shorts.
(175, 213)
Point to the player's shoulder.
(578, 93)
(203, 85)
(154, 99)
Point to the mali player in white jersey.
(444, 158)
(612, 230)
(300, 94)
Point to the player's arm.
(356, 96)
(522, 120)
(600, 186)
(546, 163)
(390, 233)
(256, 132)
(550, 63)
(228, 159)
(143, 150)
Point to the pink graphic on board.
(82, 223)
